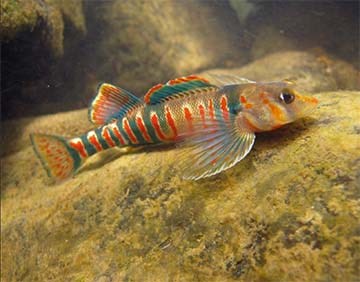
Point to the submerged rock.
(312, 71)
(288, 212)
(145, 42)
(48, 16)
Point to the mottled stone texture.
(312, 71)
(146, 41)
(130, 43)
(288, 212)
(46, 16)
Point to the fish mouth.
(309, 100)
(308, 104)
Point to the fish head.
(268, 106)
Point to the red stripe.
(202, 114)
(129, 132)
(156, 125)
(107, 137)
(211, 109)
(171, 122)
(188, 117)
(224, 107)
(140, 124)
(78, 145)
(93, 140)
(118, 134)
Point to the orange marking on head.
(155, 123)
(107, 137)
(129, 131)
(276, 112)
(79, 146)
(308, 99)
(242, 99)
(93, 140)
(171, 121)
(140, 124)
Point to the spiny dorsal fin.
(110, 103)
(177, 87)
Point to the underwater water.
(289, 211)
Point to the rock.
(288, 212)
(133, 44)
(271, 40)
(300, 25)
(145, 42)
(28, 15)
(16, 132)
(312, 71)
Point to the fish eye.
(287, 97)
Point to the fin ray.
(57, 157)
(177, 87)
(222, 80)
(110, 103)
(222, 147)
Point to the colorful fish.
(214, 122)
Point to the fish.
(214, 122)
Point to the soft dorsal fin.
(221, 80)
(110, 103)
(177, 87)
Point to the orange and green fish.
(214, 122)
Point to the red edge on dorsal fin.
(151, 91)
(175, 81)
(186, 79)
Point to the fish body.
(214, 122)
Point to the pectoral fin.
(214, 148)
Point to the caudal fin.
(57, 157)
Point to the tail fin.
(57, 157)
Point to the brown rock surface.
(312, 71)
(27, 15)
(148, 41)
(288, 212)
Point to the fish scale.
(215, 124)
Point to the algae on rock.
(287, 212)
